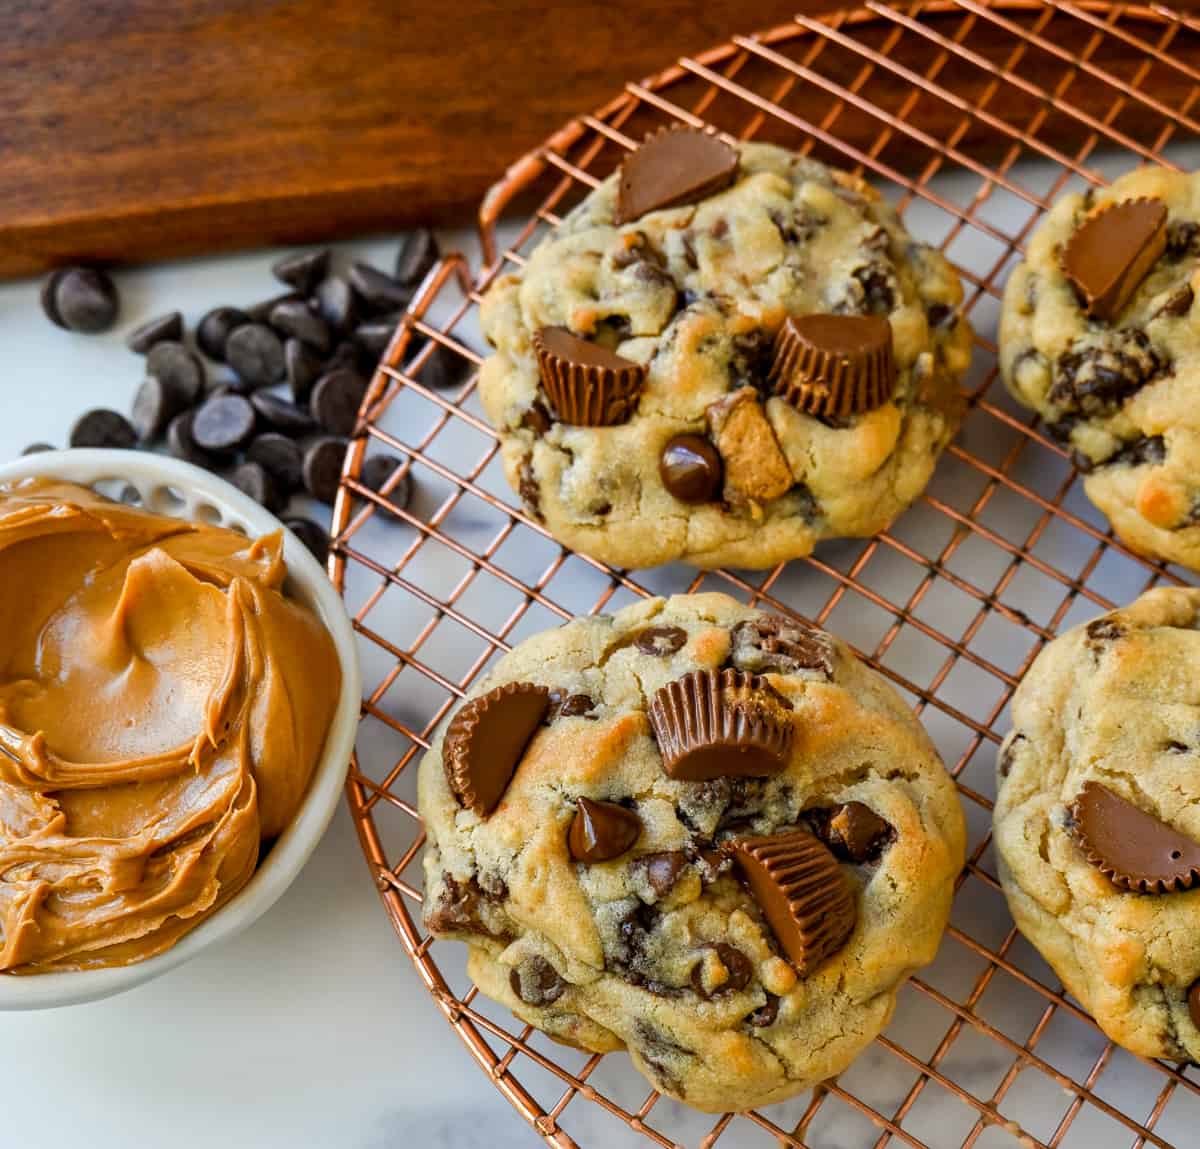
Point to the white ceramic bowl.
(183, 491)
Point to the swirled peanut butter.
(163, 704)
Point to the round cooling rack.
(972, 117)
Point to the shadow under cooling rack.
(972, 118)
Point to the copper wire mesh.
(971, 116)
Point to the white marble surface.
(308, 1030)
(311, 1028)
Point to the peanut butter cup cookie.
(1098, 823)
(696, 831)
(1098, 335)
(723, 355)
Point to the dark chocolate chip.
(1193, 1003)
(303, 368)
(302, 270)
(323, 461)
(766, 1014)
(215, 327)
(280, 457)
(256, 354)
(161, 329)
(38, 448)
(1101, 631)
(253, 479)
(458, 907)
(528, 488)
(378, 469)
(443, 369)
(336, 399)
(1094, 378)
(314, 538)
(372, 338)
(80, 299)
(377, 289)
(938, 314)
(181, 370)
(261, 312)
(878, 290)
(334, 301)
(601, 831)
(101, 428)
(852, 831)
(536, 982)
(690, 469)
(416, 257)
(283, 416)
(1178, 302)
(661, 641)
(223, 423)
(1183, 238)
(154, 405)
(1149, 449)
(576, 706)
(536, 418)
(294, 319)
(739, 966)
(1004, 760)
(180, 442)
(663, 869)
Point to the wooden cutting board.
(141, 129)
(138, 129)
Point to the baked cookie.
(724, 844)
(1098, 335)
(1097, 822)
(678, 423)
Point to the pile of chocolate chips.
(266, 395)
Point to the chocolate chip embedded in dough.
(601, 831)
(852, 831)
(661, 641)
(536, 982)
(775, 643)
(485, 742)
(690, 469)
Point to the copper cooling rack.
(972, 117)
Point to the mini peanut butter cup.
(834, 365)
(1109, 254)
(721, 724)
(486, 739)
(601, 831)
(802, 892)
(673, 167)
(1134, 850)
(588, 385)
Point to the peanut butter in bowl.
(163, 705)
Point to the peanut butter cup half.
(486, 739)
(802, 892)
(588, 385)
(673, 167)
(1134, 850)
(834, 365)
(1109, 254)
(721, 724)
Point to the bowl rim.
(295, 845)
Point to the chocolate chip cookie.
(1097, 335)
(700, 832)
(723, 355)
(1097, 823)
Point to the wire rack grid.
(972, 117)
